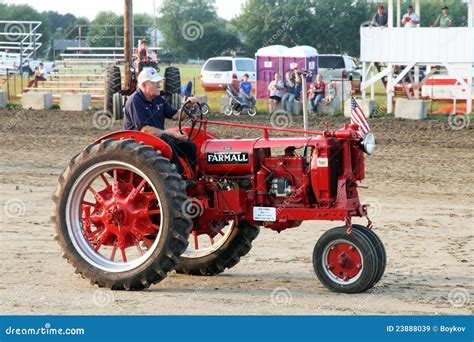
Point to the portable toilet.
(269, 60)
(301, 57)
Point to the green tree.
(106, 30)
(192, 29)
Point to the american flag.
(358, 117)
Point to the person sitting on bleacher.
(40, 75)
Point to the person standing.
(410, 19)
(444, 19)
(290, 95)
(275, 88)
(380, 18)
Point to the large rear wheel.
(113, 84)
(211, 255)
(118, 215)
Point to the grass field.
(191, 72)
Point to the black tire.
(113, 84)
(228, 255)
(170, 188)
(117, 106)
(379, 247)
(370, 264)
(173, 86)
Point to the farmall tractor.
(125, 218)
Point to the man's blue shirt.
(139, 112)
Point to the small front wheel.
(346, 263)
(252, 111)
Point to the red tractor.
(125, 218)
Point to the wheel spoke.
(88, 203)
(196, 240)
(211, 239)
(155, 226)
(114, 250)
(106, 182)
(221, 233)
(124, 255)
(137, 244)
(154, 211)
(86, 220)
(115, 187)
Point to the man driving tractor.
(146, 110)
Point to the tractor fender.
(145, 138)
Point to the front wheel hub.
(343, 262)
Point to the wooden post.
(364, 70)
(399, 13)
(128, 40)
(389, 89)
(390, 13)
(418, 9)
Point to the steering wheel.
(193, 111)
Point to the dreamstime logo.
(373, 207)
(459, 297)
(192, 30)
(458, 121)
(281, 296)
(286, 26)
(192, 208)
(103, 298)
(102, 120)
(14, 31)
(281, 119)
(14, 207)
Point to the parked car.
(218, 72)
(340, 67)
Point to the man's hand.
(178, 136)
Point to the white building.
(383, 49)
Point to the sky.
(226, 9)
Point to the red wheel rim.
(119, 215)
(343, 261)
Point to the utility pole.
(128, 39)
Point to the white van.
(218, 72)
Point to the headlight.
(368, 143)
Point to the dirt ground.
(419, 186)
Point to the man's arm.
(159, 132)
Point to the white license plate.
(216, 75)
(264, 214)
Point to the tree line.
(192, 29)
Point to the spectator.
(380, 18)
(245, 92)
(444, 19)
(410, 19)
(331, 91)
(40, 75)
(317, 91)
(298, 86)
(275, 88)
(290, 95)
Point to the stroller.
(236, 106)
(187, 91)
